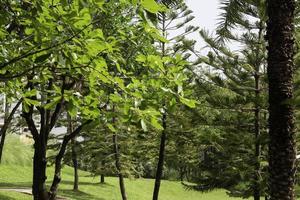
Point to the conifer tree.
(242, 75)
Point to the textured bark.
(282, 145)
(39, 189)
(161, 158)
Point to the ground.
(16, 172)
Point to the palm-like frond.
(232, 13)
(247, 14)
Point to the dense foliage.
(134, 95)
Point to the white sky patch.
(206, 14)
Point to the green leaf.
(190, 103)
(52, 103)
(72, 110)
(25, 106)
(100, 3)
(111, 127)
(31, 102)
(151, 6)
(156, 124)
(30, 93)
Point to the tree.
(177, 17)
(282, 145)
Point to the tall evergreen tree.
(176, 18)
(282, 146)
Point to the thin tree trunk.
(117, 162)
(256, 192)
(102, 178)
(7, 120)
(75, 165)
(74, 153)
(161, 158)
(282, 145)
(257, 186)
(3, 129)
(118, 166)
(59, 157)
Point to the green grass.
(4, 195)
(16, 172)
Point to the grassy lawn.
(16, 172)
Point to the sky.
(206, 17)
(206, 14)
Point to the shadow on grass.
(16, 185)
(78, 195)
(87, 183)
(4, 197)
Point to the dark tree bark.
(119, 167)
(7, 120)
(161, 158)
(59, 157)
(102, 178)
(39, 190)
(48, 120)
(282, 145)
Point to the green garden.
(137, 100)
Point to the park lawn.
(16, 172)
(90, 188)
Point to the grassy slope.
(16, 176)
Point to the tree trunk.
(256, 189)
(160, 164)
(118, 166)
(4, 128)
(102, 178)
(75, 165)
(74, 153)
(39, 189)
(257, 186)
(161, 158)
(59, 157)
(8, 118)
(282, 145)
